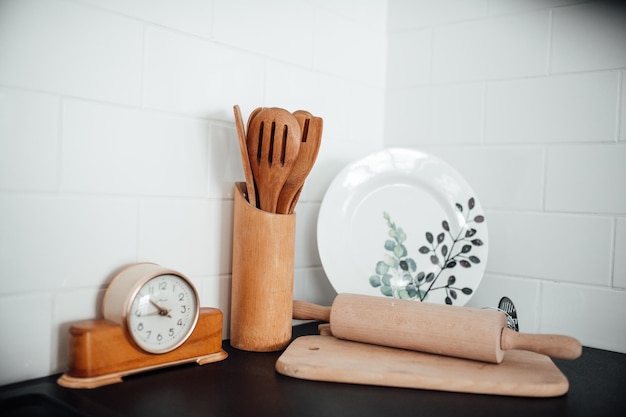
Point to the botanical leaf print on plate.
(448, 251)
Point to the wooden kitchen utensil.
(273, 142)
(245, 162)
(311, 128)
(252, 116)
(262, 277)
(325, 358)
(463, 332)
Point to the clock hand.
(162, 310)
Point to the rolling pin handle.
(308, 311)
(555, 346)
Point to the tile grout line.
(59, 159)
(144, 53)
(483, 122)
(613, 255)
(549, 45)
(544, 182)
(539, 316)
(137, 228)
(619, 104)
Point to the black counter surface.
(246, 384)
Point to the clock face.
(162, 314)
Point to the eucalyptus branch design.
(397, 274)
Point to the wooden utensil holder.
(262, 277)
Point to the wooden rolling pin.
(462, 332)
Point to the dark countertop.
(246, 384)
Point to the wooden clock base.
(100, 353)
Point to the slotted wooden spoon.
(273, 143)
(309, 147)
(253, 115)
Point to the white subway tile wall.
(521, 168)
(71, 49)
(408, 58)
(410, 14)
(493, 48)
(577, 181)
(119, 150)
(224, 165)
(28, 353)
(541, 245)
(523, 292)
(53, 242)
(527, 99)
(187, 75)
(187, 235)
(619, 266)
(191, 16)
(594, 312)
(568, 108)
(588, 37)
(425, 109)
(20, 167)
(622, 114)
(117, 143)
(280, 29)
(69, 306)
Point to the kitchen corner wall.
(527, 100)
(117, 143)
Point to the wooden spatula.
(245, 162)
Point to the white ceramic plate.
(382, 229)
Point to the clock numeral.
(181, 296)
(162, 285)
(138, 313)
(179, 322)
(159, 337)
(171, 332)
(183, 309)
(140, 326)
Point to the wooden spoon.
(315, 139)
(247, 170)
(309, 147)
(273, 142)
(253, 115)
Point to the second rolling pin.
(463, 332)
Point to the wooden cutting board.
(326, 358)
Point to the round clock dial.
(157, 308)
(162, 314)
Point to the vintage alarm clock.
(152, 319)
